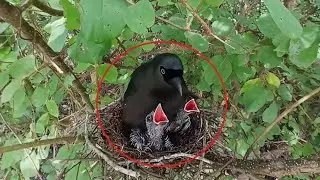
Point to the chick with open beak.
(156, 125)
(183, 122)
(155, 138)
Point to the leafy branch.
(12, 15)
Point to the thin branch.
(115, 166)
(37, 143)
(170, 23)
(203, 24)
(12, 15)
(25, 4)
(45, 8)
(280, 117)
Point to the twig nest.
(190, 142)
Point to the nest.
(111, 117)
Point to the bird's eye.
(149, 118)
(162, 70)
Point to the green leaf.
(140, 16)
(81, 67)
(214, 3)
(272, 79)
(222, 64)
(267, 26)
(268, 56)
(285, 91)
(197, 41)
(270, 113)
(52, 108)
(23, 67)
(242, 147)
(29, 166)
(71, 13)
(300, 54)
(19, 97)
(284, 19)
(80, 172)
(40, 96)
(254, 98)
(307, 149)
(112, 75)
(37, 127)
(251, 83)
(53, 84)
(44, 119)
(97, 29)
(68, 80)
(9, 159)
(58, 34)
(203, 86)
(68, 152)
(164, 2)
(4, 79)
(222, 26)
(9, 90)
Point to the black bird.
(157, 81)
(155, 137)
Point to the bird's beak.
(159, 115)
(191, 106)
(177, 83)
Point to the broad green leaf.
(222, 26)
(284, 19)
(140, 16)
(4, 79)
(282, 43)
(270, 113)
(254, 98)
(197, 41)
(251, 83)
(317, 120)
(223, 66)
(9, 159)
(268, 56)
(285, 91)
(267, 26)
(300, 55)
(23, 67)
(40, 96)
(214, 3)
(19, 97)
(44, 119)
(272, 79)
(58, 34)
(68, 151)
(9, 90)
(164, 2)
(52, 108)
(112, 75)
(243, 73)
(203, 86)
(80, 172)
(71, 13)
(29, 166)
(97, 29)
(81, 67)
(241, 43)
(37, 128)
(53, 84)
(242, 147)
(68, 80)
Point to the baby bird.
(155, 138)
(183, 122)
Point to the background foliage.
(273, 63)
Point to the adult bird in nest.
(157, 81)
(154, 138)
(183, 122)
